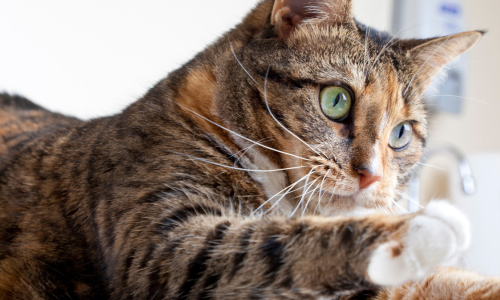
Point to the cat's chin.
(373, 198)
(366, 200)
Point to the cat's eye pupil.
(401, 136)
(335, 102)
(402, 131)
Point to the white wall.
(92, 58)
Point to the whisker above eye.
(235, 168)
(241, 65)
(366, 51)
(279, 123)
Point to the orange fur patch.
(198, 95)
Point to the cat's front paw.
(437, 236)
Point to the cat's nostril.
(367, 178)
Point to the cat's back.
(22, 121)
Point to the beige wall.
(477, 129)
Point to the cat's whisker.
(434, 167)
(243, 154)
(239, 208)
(383, 210)
(466, 64)
(366, 51)
(235, 168)
(401, 208)
(456, 96)
(431, 77)
(416, 89)
(246, 150)
(241, 65)
(390, 210)
(407, 197)
(297, 189)
(301, 195)
(307, 193)
(239, 135)
(321, 190)
(288, 188)
(451, 68)
(279, 123)
(305, 190)
(392, 41)
(379, 208)
(331, 197)
(231, 205)
(309, 200)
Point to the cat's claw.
(437, 236)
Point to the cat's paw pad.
(438, 236)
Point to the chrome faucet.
(468, 183)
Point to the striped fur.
(141, 205)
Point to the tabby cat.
(237, 175)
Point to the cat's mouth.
(330, 185)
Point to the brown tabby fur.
(122, 208)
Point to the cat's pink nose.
(366, 179)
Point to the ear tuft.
(299, 11)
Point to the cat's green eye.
(401, 136)
(335, 102)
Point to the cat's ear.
(294, 12)
(432, 55)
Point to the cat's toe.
(435, 237)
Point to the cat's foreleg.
(212, 256)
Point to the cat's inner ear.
(295, 12)
(431, 56)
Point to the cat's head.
(340, 102)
